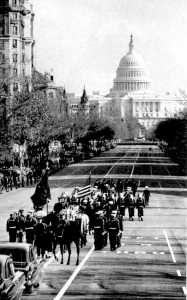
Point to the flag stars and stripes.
(85, 191)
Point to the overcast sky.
(84, 40)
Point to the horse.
(67, 232)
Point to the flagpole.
(89, 179)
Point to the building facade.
(88, 105)
(16, 43)
(132, 98)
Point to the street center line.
(72, 277)
(134, 164)
(114, 165)
(179, 273)
(169, 246)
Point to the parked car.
(11, 282)
(24, 259)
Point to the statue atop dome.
(131, 44)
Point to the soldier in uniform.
(140, 207)
(121, 204)
(40, 231)
(84, 225)
(146, 195)
(30, 222)
(20, 225)
(114, 231)
(99, 226)
(131, 205)
(11, 228)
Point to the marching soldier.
(121, 204)
(11, 228)
(30, 222)
(84, 226)
(114, 232)
(131, 205)
(99, 226)
(40, 231)
(140, 207)
(146, 195)
(20, 225)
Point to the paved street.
(151, 262)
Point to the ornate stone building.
(89, 105)
(131, 96)
(16, 43)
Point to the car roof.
(20, 246)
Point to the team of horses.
(66, 229)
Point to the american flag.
(85, 191)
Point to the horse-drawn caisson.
(99, 210)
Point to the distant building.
(88, 105)
(131, 96)
(56, 97)
(16, 43)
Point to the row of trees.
(172, 134)
(32, 121)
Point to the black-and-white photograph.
(93, 149)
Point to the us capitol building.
(131, 96)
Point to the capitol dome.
(131, 74)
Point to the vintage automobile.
(24, 260)
(11, 282)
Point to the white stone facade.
(131, 95)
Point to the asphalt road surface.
(151, 262)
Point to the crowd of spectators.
(12, 176)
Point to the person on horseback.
(67, 231)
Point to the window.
(14, 2)
(23, 58)
(2, 57)
(15, 86)
(15, 71)
(14, 43)
(51, 95)
(15, 57)
(14, 16)
(2, 45)
(15, 30)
